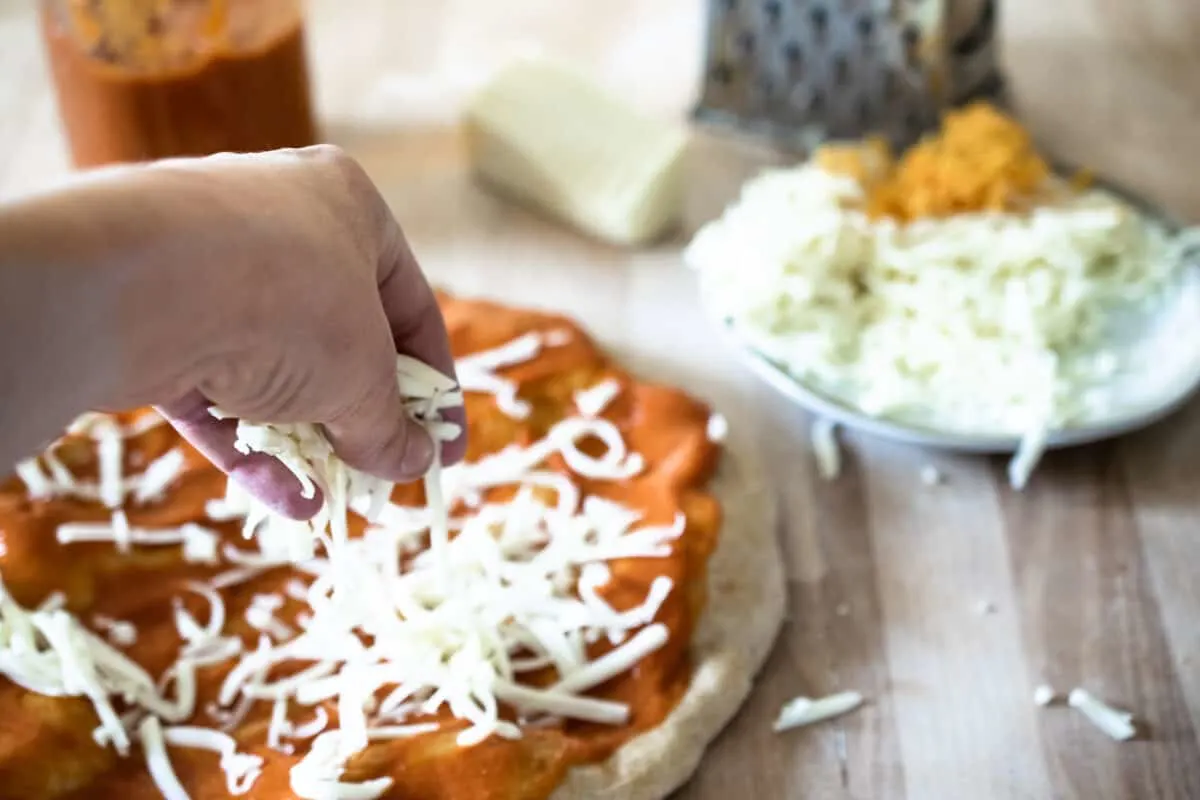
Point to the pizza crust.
(738, 626)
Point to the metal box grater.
(803, 71)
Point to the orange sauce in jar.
(145, 79)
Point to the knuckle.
(349, 190)
(363, 195)
(266, 388)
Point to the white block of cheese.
(548, 137)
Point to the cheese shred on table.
(1115, 724)
(801, 711)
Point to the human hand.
(278, 287)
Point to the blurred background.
(1107, 83)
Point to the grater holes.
(914, 123)
(911, 39)
(721, 74)
(816, 101)
(980, 34)
(841, 70)
(819, 17)
(891, 83)
(865, 25)
(745, 43)
(863, 111)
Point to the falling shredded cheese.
(806, 711)
(1113, 722)
(825, 448)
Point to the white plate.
(1162, 345)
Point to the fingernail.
(418, 453)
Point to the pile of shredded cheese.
(983, 322)
(402, 623)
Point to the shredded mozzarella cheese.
(494, 598)
(477, 372)
(113, 488)
(199, 543)
(159, 475)
(718, 428)
(591, 402)
(117, 631)
(158, 762)
(981, 323)
(241, 770)
(825, 448)
(805, 711)
(1113, 722)
(931, 475)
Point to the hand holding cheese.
(277, 286)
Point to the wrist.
(96, 300)
(50, 305)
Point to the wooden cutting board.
(945, 606)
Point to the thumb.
(377, 437)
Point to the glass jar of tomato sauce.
(144, 79)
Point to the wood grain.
(944, 605)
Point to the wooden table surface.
(1092, 575)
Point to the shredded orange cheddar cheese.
(980, 160)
